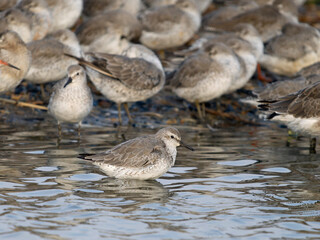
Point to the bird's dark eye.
(172, 136)
(77, 74)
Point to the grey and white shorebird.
(71, 100)
(48, 60)
(248, 52)
(115, 27)
(299, 111)
(297, 47)
(276, 90)
(169, 26)
(268, 20)
(122, 79)
(14, 51)
(65, 13)
(206, 75)
(142, 158)
(247, 56)
(243, 30)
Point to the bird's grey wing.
(191, 71)
(279, 89)
(161, 19)
(307, 102)
(134, 73)
(135, 153)
(45, 52)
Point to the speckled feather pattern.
(73, 102)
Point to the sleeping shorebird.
(268, 20)
(116, 28)
(142, 158)
(48, 60)
(228, 12)
(169, 26)
(296, 48)
(206, 75)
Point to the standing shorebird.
(142, 158)
(71, 100)
(299, 111)
(122, 79)
(206, 75)
(14, 51)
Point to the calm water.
(239, 183)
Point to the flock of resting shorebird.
(216, 51)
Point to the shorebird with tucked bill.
(206, 75)
(170, 26)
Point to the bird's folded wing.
(134, 73)
(191, 71)
(135, 153)
(307, 102)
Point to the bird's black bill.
(186, 146)
(9, 65)
(68, 82)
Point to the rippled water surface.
(248, 182)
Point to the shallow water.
(239, 183)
